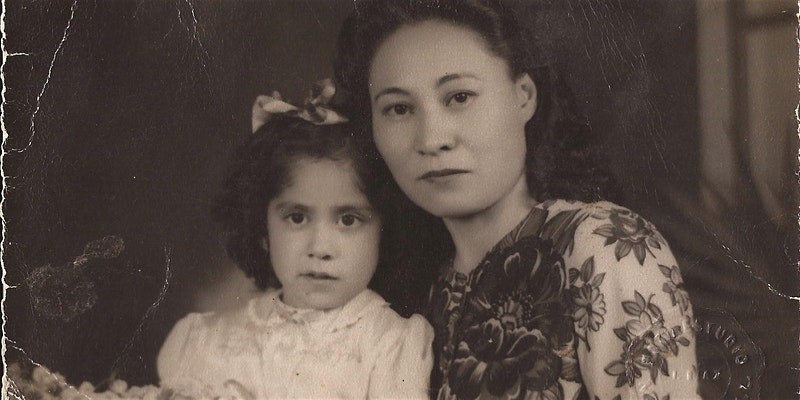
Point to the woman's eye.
(397, 110)
(349, 220)
(460, 98)
(297, 218)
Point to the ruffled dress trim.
(269, 310)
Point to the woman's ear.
(526, 94)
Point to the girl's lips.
(439, 173)
(318, 275)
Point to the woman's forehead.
(430, 50)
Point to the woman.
(544, 296)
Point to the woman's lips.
(441, 173)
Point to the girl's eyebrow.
(290, 205)
(360, 208)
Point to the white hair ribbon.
(314, 108)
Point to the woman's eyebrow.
(390, 90)
(441, 81)
(452, 77)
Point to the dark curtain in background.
(122, 115)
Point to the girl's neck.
(476, 234)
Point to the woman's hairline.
(455, 24)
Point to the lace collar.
(269, 309)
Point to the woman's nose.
(321, 243)
(437, 133)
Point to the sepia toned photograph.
(400, 199)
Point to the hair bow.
(314, 107)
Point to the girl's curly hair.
(261, 169)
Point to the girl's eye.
(397, 110)
(297, 218)
(349, 220)
(460, 98)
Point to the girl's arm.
(632, 313)
(404, 360)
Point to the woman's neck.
(476, 234)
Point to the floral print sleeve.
(631, 313)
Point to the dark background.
(121, 117)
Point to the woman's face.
(448, 118)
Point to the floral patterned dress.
(579, 301)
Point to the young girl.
(543, 297)
(306, 210)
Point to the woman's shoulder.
(626, 297)
(588, 228)
(598, 209)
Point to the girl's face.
(448, 118)
(323, 235)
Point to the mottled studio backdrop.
(121, 116)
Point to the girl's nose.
(321, 244)
(436, 134)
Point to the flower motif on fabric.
(630, 232)
(503, 362)
(588, 306)
(675, 287)
(647, 342)
(561, 227)
(447, 302)
(516, 328)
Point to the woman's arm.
(632, 314)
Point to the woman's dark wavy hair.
(261, 169)
(560, 162)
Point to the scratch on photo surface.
(3, 348)
(193, 29)
(153, 307)
(311, 8)
(730, 254)
(46, 81)
(797, 119)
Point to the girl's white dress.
(268, 349)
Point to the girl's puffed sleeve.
(632, 315)
(403, 360)
(181, 352)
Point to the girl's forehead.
(333, 175)
(306, 165)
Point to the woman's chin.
(451, 209)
